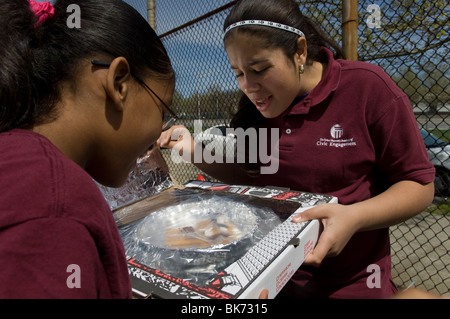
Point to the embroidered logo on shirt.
(336, 140)
(336, 131)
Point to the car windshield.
(431, 140)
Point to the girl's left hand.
(339, 225)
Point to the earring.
(301, 69)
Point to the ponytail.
(317, 39)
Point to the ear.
(302, 51)
(117, 82)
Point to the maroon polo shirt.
(58, 238)
(352, 136)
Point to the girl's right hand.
(178, 138)
(171, 137)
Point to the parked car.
(439, 155)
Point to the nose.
(249, 84)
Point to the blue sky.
(197, 53)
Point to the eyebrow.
(252, 63)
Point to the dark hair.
(35, 59)
(285, 12)
(15, 61)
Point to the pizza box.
(267, 264)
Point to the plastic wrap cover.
(193, 234)
(149, 177)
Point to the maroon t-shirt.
(58, 238)
(352, 136)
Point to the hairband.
(265, 23)
(42, 11)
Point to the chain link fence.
(408, 39)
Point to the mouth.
(262, 104)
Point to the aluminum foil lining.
(194, 226)
(149, 177)
(198, 238)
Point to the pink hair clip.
(42, 10)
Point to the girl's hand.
(179, 139)
(339, 225)
(169, 138)
(264, 294)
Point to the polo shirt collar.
(327, 85)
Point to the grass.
(443, 135)
(442, 208)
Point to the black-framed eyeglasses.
(167, 122)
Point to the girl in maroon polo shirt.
(345, 129)
(66, 118)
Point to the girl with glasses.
(63, 121)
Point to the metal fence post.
(151, 13)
